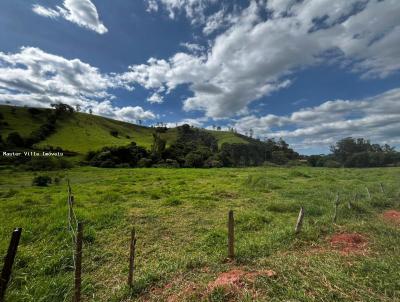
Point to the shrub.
(15, 140)
(144, 162)
(41, 181)
(213, 163)
(114, 133)
(332, 164)
(33, 111)
(279, 157)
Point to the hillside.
(84, 132)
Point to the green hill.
(83, 132)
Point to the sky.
(309, 71)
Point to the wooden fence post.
(336, 208)
(9, 261)
(231, 236)
(70, 208)
(78, 264)
(382, 189)
(299, 222)
(132, 257)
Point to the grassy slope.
(180, 216)
(84, 132)
(20, 121)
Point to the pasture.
(180, 216)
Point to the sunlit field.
(180, 216)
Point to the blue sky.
(311, 72)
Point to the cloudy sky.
(310, 71)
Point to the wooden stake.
(70, 210)
(231, 235)
(132, 257)
(78, 264)
(382, 189)
(9, 261)
(299, 222)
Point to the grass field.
(84, 132)
(180, 217)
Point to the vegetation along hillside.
(81, 132)
(103, 142)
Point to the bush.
(332, 164)
(41, 181)
(144, 162)
(213, 163)
(33, 111)
(114, 133)
(15, 140)
(279, 157)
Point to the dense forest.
(194, 148)
(357, 153)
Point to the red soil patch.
(392, 216)
(349, 243)
(238, 278)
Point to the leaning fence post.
(132, 257)
(382, 189)
(70, 209)
(9, 261)
(231, 235)
(336, 208)
(78, 264)
(299, 222)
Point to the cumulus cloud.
(193, 47)
(36, 78)
(256, 55)
(377, 118)
(81, 12)
(193, 9)
(128, 114)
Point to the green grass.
(83, 132)
(180, 217)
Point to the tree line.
(357, 153)
(194, 148)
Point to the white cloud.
(256, 56)
(195, 122)
(128, 114)
(35, 78)
(155, 98)
(193, 47)
(376, 118)
(214, 22)
(193, 9)
(45, 12)
(80, 12)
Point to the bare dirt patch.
(392, 216)
(237, 278)
(349, 243)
